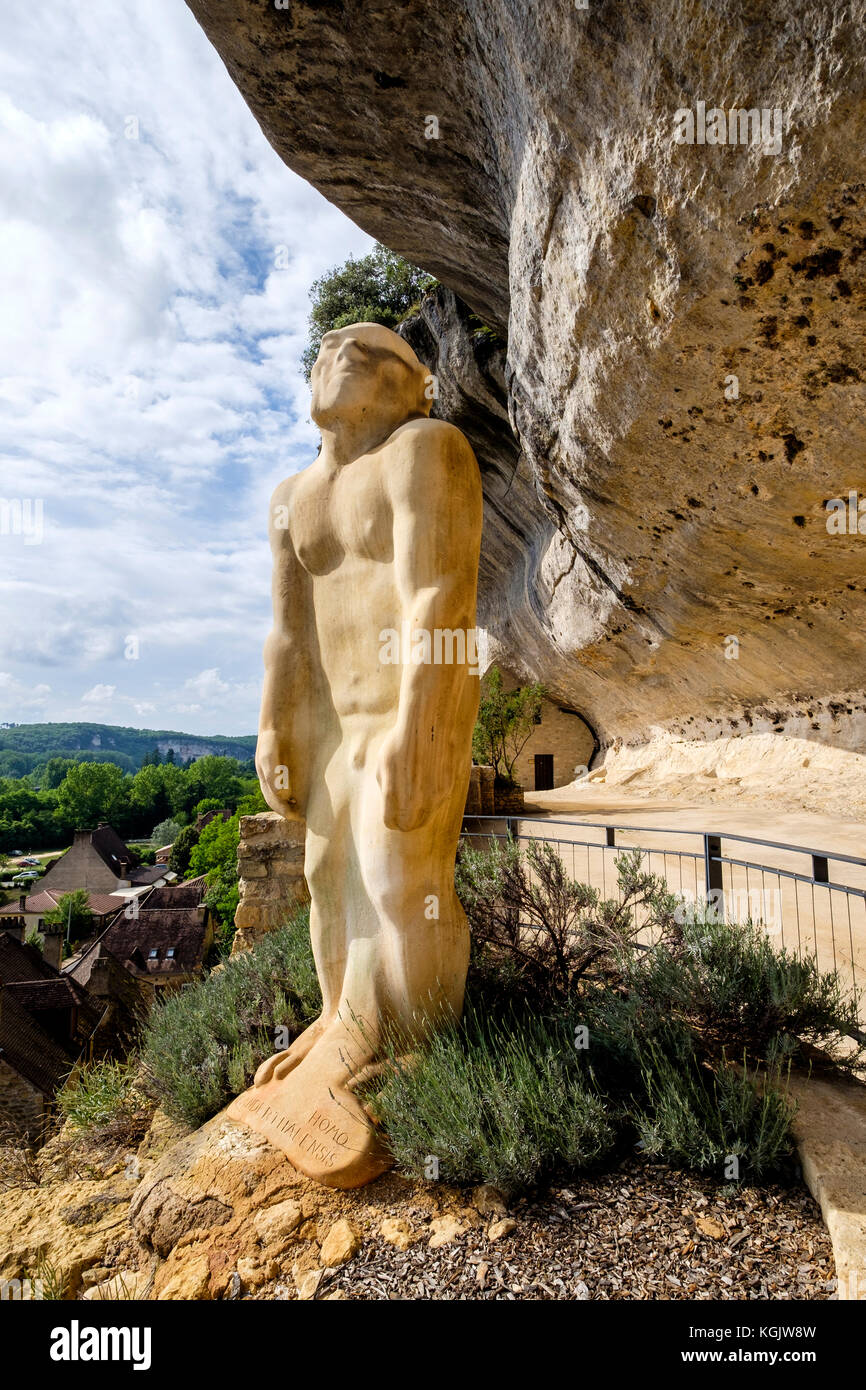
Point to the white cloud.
(151, 395)
(19, 701)
(99, 695)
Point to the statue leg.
(327, 825)
(303, 1103)
(394, 956)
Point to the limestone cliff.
(683, 386)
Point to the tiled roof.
(184, 928)
(109, 846)
(63, 992)
(30, 986)
(28, 1049)
(189, 893)
(20, 962)
(146, 873)
(101, 904)
(23, 970)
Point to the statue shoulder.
(428, 435)
(425, 449)
(280, 511)
(282, 493)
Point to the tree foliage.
(72, 914)
(216, 854)
(181, 851)
(42, 809)
(378, 288)
(506, 720)
(90, 793)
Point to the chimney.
(22, 902)
(52, 950)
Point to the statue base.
(330, 1139)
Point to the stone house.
(99, 861)
(561, 743)
(161, 944)
(46, 1023)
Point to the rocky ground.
(644, 1231)
(220, 1215)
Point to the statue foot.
(380, 1071)
(312, 1115)
(282, 1063)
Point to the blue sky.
(150, 390)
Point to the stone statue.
(369, 702)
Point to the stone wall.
(21, 1105)
(271, 875)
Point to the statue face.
(365, 369)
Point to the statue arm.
(437, 514)
(281, 750)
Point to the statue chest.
(335, 521)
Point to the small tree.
(165, 833)
(72, 914)
(506, 720)
(216, 855)
(182, 849)
(378, 288)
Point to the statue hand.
(409, 789)
(273, 773)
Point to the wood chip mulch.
(644, 1231)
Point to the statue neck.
(343, 443)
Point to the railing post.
(713, 872)
(610, 832)
(820, 869)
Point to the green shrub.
(377, 288)
(203, 1045)
(736, 990)
(697, 1118)
(540, 934)
(508, 1105)
(98, 1094)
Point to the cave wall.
(639, 514)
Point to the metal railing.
(786, 888)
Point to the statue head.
(365, 371)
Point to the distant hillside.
(34, 743)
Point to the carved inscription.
(308, 1143)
